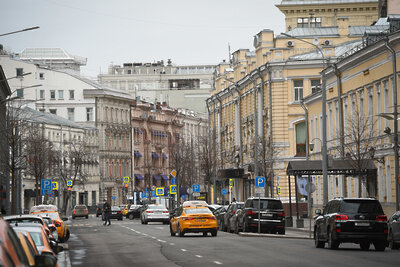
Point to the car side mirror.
(318, 212)
(52, 228)
(45, 260)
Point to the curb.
(274, 236)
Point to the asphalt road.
(129, 243)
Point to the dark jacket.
(107, 207)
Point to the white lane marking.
(160, 227)
(159, 240)
(172, 244)
(153, 237)
(199, 256)
(217, 262)
(183, 249)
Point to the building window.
(41, 94)
(302, 22)
(315, 22)
(52, 94)
(53, 111)
(89, 114)
(298, 90)
(315, 86)
(60, 94)
(71, 114)
(41, 76)
(20, 93)
(71, 94)
(301, 137)
(20, 72)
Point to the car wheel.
(145, 222)
(120, 219)
(87, 216)
(318, 243)
(180, 233)
(73, 217)
(393, 244)
(97, 215)
(170, 231)
(229, 230)
(380, 246)
(65, 239)
(130, 216)
(332, 244)
(214, 233)
(166, 222)
(204, 233)
(141, 220)
(364, 245)
(281, 232)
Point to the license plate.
(361, 224)
(200, 220)
(267, 214)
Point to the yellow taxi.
(52, 212)
(124, 209)
(193, 219)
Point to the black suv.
(268, 211)
(355, 220)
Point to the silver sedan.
(155, 213)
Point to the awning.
(157, 177)
(165, 177)
(139, 176)
(164, 156)
(155, 155)
(137, 154)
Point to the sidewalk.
(290, 232)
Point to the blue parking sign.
(260, 181)
(153, 194)
(46, 187)
(196, 188)
(224, 191)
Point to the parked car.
(52, 212)
(394, 231)
(155, 213)
(266, 211)
(193, 219)
(31, 218)
(355, 220)
(232, 208)
(219, 214)
(213, 207)
(80, 211)
(99, 209)
(134, 211)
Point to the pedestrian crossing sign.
(172, 189)
(160, 191)
(126, 179)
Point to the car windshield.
(115, 208)
(267, 204)
(361, 206)
(36, 235)
(197, 211)
(24, 220)
(80, 207)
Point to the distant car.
(195, 203)
(219, 214)
(193, 219)
(116, 213)
(351, 220)
(394, 231)
(268, 211)
(134, 211)
(232, 208)
(80, 211)
(99, 209)
(213, 207)
(155, 213)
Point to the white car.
(155, 213)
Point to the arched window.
(301, 137)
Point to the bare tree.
(179, 162)
(359, 138)
(205, 162)
(41, 156)
(267, 155)
(72, 167)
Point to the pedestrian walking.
(106, 210)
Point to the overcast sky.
(119, 31)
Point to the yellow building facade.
(360, 101)
(257, 95)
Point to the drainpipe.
(262, 120)
(215, 159)
(236, 86)
(395, 123)
(341, 123)
(209, 133)
(270, 128)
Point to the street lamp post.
(324, 141)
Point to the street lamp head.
(311, 146)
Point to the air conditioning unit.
(327, 42)
(290, 43)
